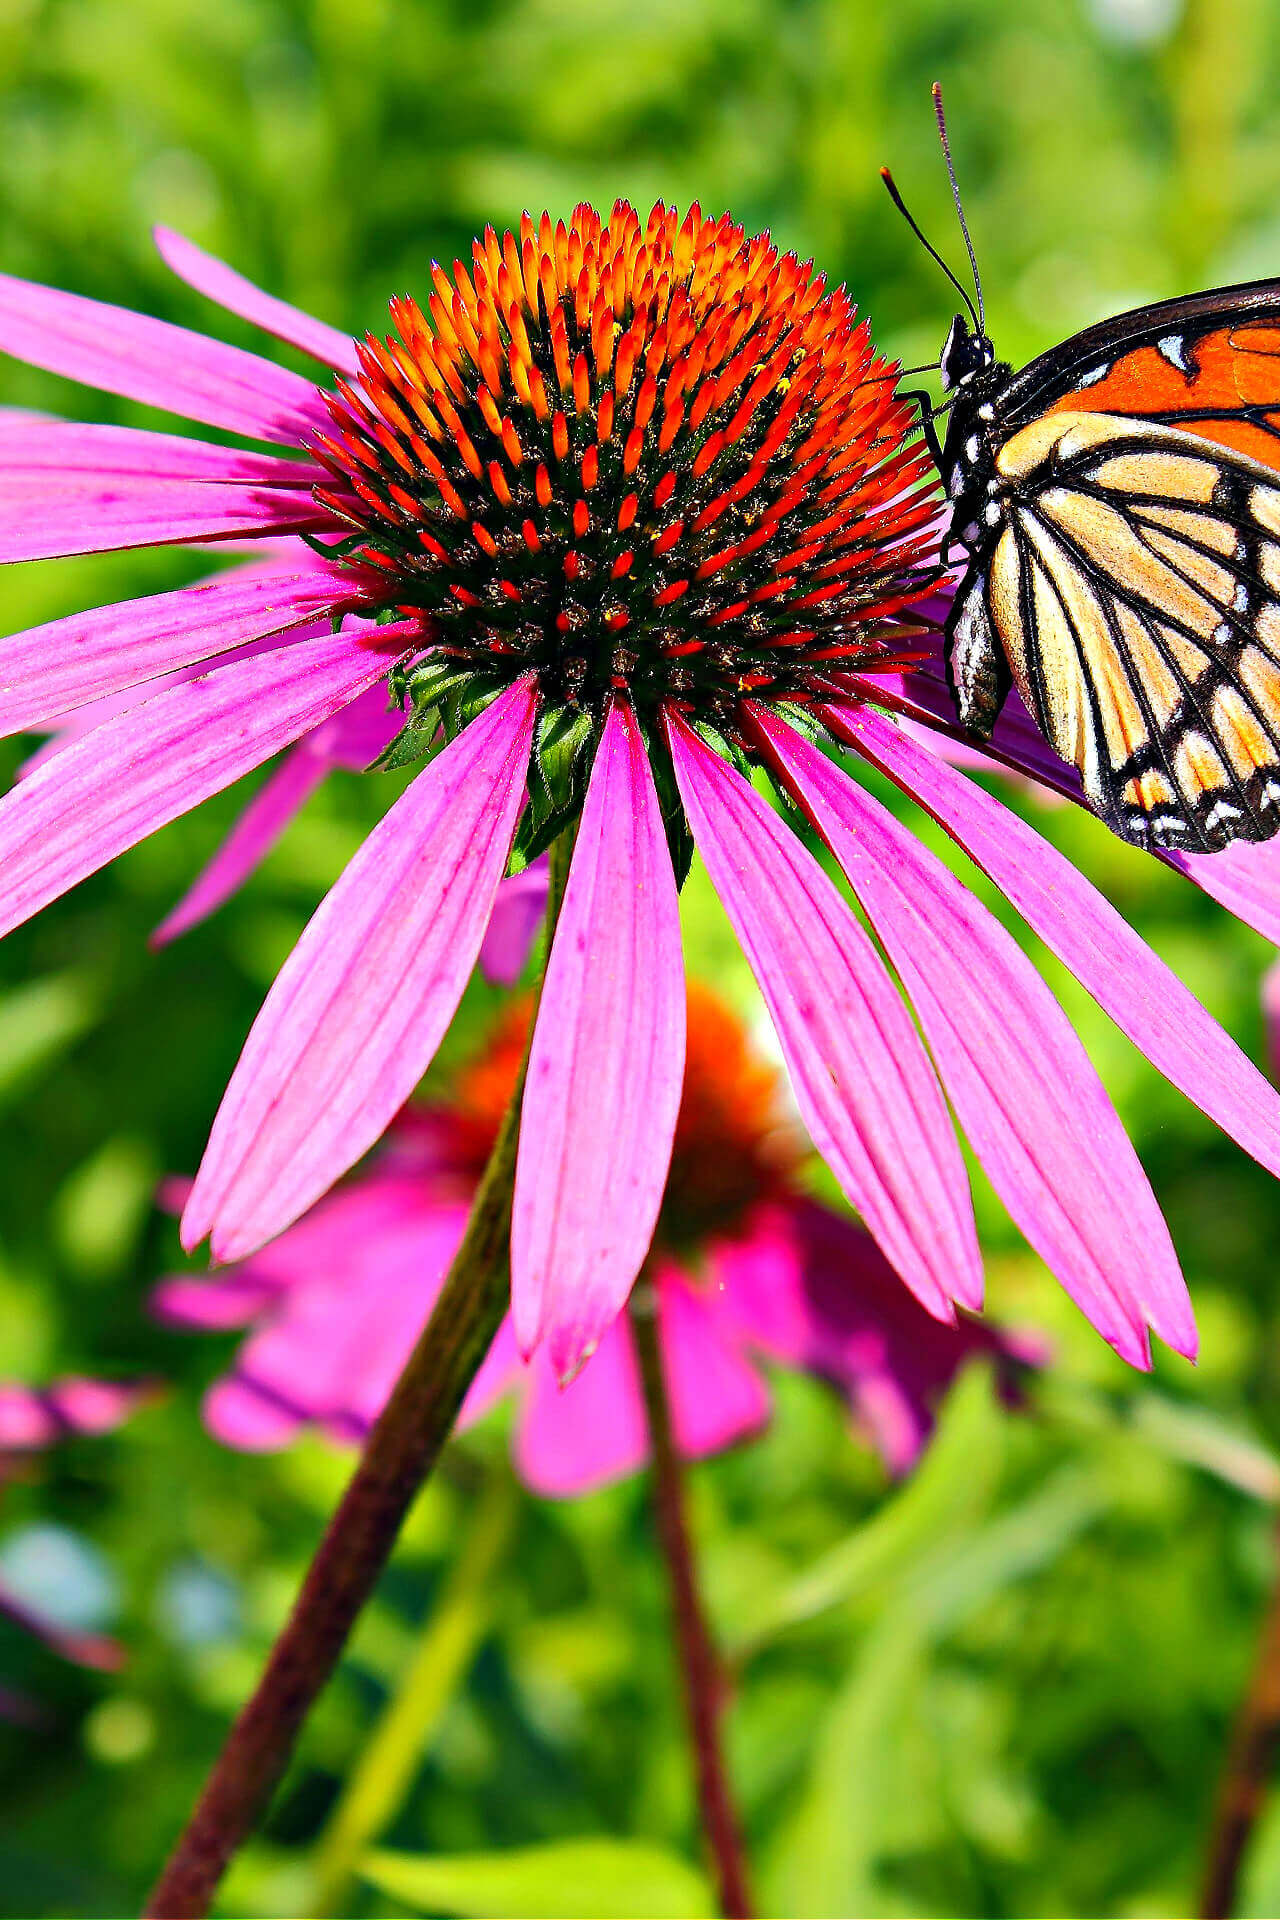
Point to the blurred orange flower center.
(735, 1145)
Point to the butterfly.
(1115, 507)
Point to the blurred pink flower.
(745, 1268)
(639, 505)
(32, 1419)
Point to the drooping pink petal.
(605, 1068)
(1016, 742)
(1242, 878)
(32, 1417)
(329, 1353)
(32, 444)
(238, 295)
(275, 804)
(866, 1090)
(156, 363)
(1020, 1081)
(518, 912)
(807, 1286)
(213, 1303)
(361, 1004)
(135, 773)
(571, 1439)
(716, 1395)
(1271, 1013)
(1143, 996)
(69, 1643)
(47, 519)
(355, 737)
(499, 1371)
(47, 671)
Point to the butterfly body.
(1116, 508)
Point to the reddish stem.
(1242, 1789)
(704, 1683)
(401, 1451)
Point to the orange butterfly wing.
(1222, 384)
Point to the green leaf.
(826, 1860)
(574, 1879)
(37, 1023)
(954, 1486)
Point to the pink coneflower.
(743, 1267)
(623, 514)
(31, 1420)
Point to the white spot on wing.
(1173, 348)
(1095, 374)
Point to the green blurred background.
(1012, 1696)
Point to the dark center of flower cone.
(734, 1147)
(658, 458)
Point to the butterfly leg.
(924, 408)
(977, 671)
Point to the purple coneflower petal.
(238, 295)
(276, 803)
(112, 787)
(31, 444)
(360, 1006)
(156, 363)
(605, 1068)
(518, 912)
(570, 1439)
(716, 1395)
(82, 1649)
(32, 1417)
(50, 670)
(864, 1084)
(47, 519)
(1022, 1085)
(1143, 996)
(1270, 995)
(1242, 878)
(352, 738)
(214, 1304)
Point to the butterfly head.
(967, 354)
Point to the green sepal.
(412, 743)
(444, 696)
(428, 684)
(803, 720)
(335, 549)
(467, 702)
(721, 744)
(675, 825)
(559, 768)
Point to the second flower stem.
(402, 1448)
(703, 1677)
(381, 1776)
(1242, 1789)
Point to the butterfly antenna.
(898, 201)
(955, 195)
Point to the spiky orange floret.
(662, 457)
(734, 1146)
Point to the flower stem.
(704, 1686)
(1242, 1788)
(380, 1778)
(402, 1448)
